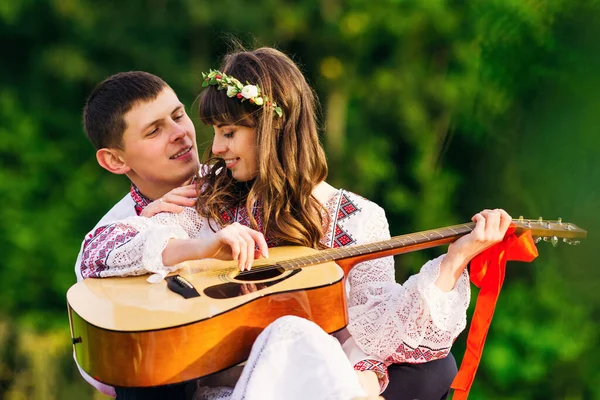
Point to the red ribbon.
(487, 272)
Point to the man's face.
(159, 145)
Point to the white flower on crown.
(231, 91)
(249, 91)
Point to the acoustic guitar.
(204, 318)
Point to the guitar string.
(333, 254)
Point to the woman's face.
(236, 144)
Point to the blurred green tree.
(433, 109)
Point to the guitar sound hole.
(233, 289)
(259, 275)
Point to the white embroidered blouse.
(414, 322)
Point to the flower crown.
(235, 88)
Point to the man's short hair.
(105, 109)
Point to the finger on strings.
(234, 244)
(243, 257)
(505, 220)
(492, 224)
(479, 229)
(260, 241)
(249, 242)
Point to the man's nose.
(177, 131)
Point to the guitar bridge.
(181, 286)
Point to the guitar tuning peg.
(559, 221)
(538, 239)
(520, 218)
(554, 241)
(571, 242)
(540, 220)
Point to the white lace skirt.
(293, 358)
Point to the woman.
(266, 187)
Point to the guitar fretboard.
(396, 243)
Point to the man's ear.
(111, 160)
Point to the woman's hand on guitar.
(174, 201)
(234, 242)
(490, 228)
(238, 242)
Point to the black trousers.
(427, 381)
(181, 391)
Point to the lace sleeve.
(134, 245)
(414, 322)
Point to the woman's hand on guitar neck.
(490, 227)
(234, 242)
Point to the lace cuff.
(447, 309)
(156, 241)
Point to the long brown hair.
(290, 157)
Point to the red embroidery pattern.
(345, 209)
(406, 354)
(376, 366)
(100, 244)
(139, 199)
(240, 215)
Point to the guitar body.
(130, 333)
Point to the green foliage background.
(435, 109)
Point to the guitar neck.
(347, 257)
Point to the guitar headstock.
(550, 230)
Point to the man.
(141, 130)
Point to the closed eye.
(153, 132)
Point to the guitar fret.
(411, 238)
(390, 244)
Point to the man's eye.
(178, 117)
(154, 131)
(228, 135)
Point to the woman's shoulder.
(332, 197)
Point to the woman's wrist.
(451, 268)
(180, 250)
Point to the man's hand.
(174, 201)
